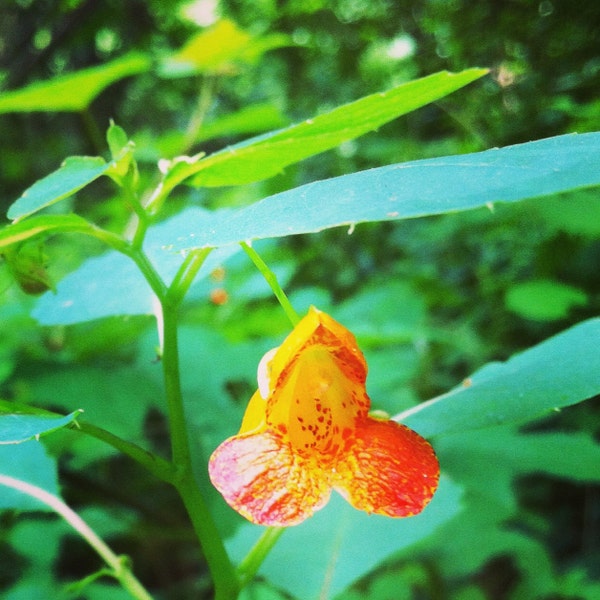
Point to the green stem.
(257, 554)
(180, 450)
(180, 472)
(148, 271)
(207, 90)
(92, 130)
(117, 564)
(272, 281)
(221, 568)
(158, 466)
(224, 576)
(186, 274)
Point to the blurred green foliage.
(431, 300)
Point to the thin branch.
(118, 565)
(272, 281)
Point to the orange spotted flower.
(307, 430)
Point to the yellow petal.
(317, 387)
(255, 415)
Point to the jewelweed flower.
(307, 430)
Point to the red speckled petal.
(390, 470)
(265, 482)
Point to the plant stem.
(224, 576)
(179, 472)
(92, 130)
(272, 281)
(257, 554)
(207, 90)
(170, 361)
(186, 273)
(222, 571)
(158, 466)
(118, 565)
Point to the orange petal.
(265, 482)
(318, 328)
(391, 470)
(316, 386)
(315, 405)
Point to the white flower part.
(264, 373)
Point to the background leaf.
(75, 173)
(219, 49)
(311, 571)
(544, 300)
(73, 91)
(249, 119)
(526, 386)
(27, 462)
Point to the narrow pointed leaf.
(36, 225)
(75, 173)
(72, 92)
(17, 428)
(560, 371)
(266, 155)
(414, 189)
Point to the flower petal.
(390, 470)
(316, 406)
(318, 328)
(260, 477)
(255, 415)
(316, 385)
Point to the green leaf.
(575, 214)
(544, 300)
(310, 571)
(75, 91)
(17, 428)
(121, 150)
(266, 155)
(117, 139)
(27, 462)
(75, 173)
(560, 371)
(408, 190)
(465, 456)
(117, 400)
(23, 230)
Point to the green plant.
(158, 252)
